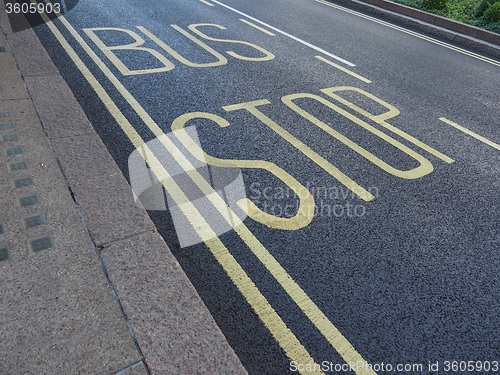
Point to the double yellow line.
(282, 334)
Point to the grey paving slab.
(11, 84)
(8, 68)
(173, 327)
(12, 89)
(35, 63)
(102, 192)
(59, 316)
(59, 111)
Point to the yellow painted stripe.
(206, 2)
(257, 27)
(285, 339)
(302, 147)
(471, 133)
(381, 119)
(413, 33)
(343, 69)
(305, 211)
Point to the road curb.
(468, 36)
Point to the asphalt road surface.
(332, 179)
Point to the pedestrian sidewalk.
(87, 285)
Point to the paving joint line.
(14, 99)
(125, 239)
(125, 316)
(129, 368)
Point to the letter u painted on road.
(221, 60)
(267, 55)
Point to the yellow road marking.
(306, 150)
(423, 169)
(285, 338)
(267, 55)
(380, 119)
(305, 212)
(343, 69)
(257, 27)
(221, 60)
(413, 33)
(206, 2)
(285, 34)
(471, 133)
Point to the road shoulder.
(467, 36)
